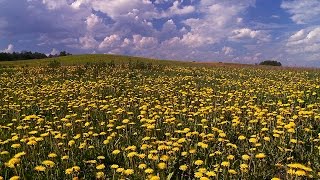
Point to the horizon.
(245, 32)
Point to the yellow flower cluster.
(96, 122)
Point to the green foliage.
(24, 55)
(54, 64)
(270, 63)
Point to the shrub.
(270, 63)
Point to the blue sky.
(245, 31)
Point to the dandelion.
(154, 178)
(162, 165)
(40, 168)
(142, 166)
(148, 171)
(100, 175)
(48, 163)
(114, 166)
(198, 174)
(198, 162)
(100, 166)
(183, 167)
(14, 178)
(52, 155)
(232, 171)
(115, 152)
(211, 174)
(260, 156)
(119, 170)
(245, 157)
(225, 163)
(128, 172)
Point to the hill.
(118, 59)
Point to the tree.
(271, 63)
(63, 53)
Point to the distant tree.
(271, 63)
(23, 55)
(63, 53)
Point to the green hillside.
(90, 58)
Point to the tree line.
(25, 55)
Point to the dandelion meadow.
(148, 121)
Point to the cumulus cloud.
(244, 33)
(9, 49)
(302, 11)
(305, 41)
(54, 52)
(227, 50)
(54, 4)
(88, 42)
(170, 29)
(175, 9)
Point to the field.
(120, 118)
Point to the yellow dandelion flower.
(14, 178)
(162, 165)
(100, 166)
(119, 170)
(211, 174)
(48, 163)
(128, 172)
(245, 157)
(300, 173)
(117, 151)
(40, 168)
(183, 167)
(260, 156)
(230, 157)
(52, 155)
(69, 171)
(225, 163)
(142, 166)
(241, 137)
(100, 175)
(198, 174)
(198, 162)
(154, 178)
(232, 171)
(148, 171)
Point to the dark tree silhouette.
(25, 55)
(271, 63)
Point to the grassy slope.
(118, 59)
(83, 59)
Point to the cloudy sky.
(245, 31)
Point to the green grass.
(118, 59)
(90, 58)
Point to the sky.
(241, 31)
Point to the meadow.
(157, 120)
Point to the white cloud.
(92, 21)
(54, 52)
(144, 42)
(245, 33)
(9, 49)
(303, 11)
(175, 9)
(297, 36)
(306, 43)
(88, 42)
(227, 50)
(112, 41)
(54, 4)
(118, 8)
